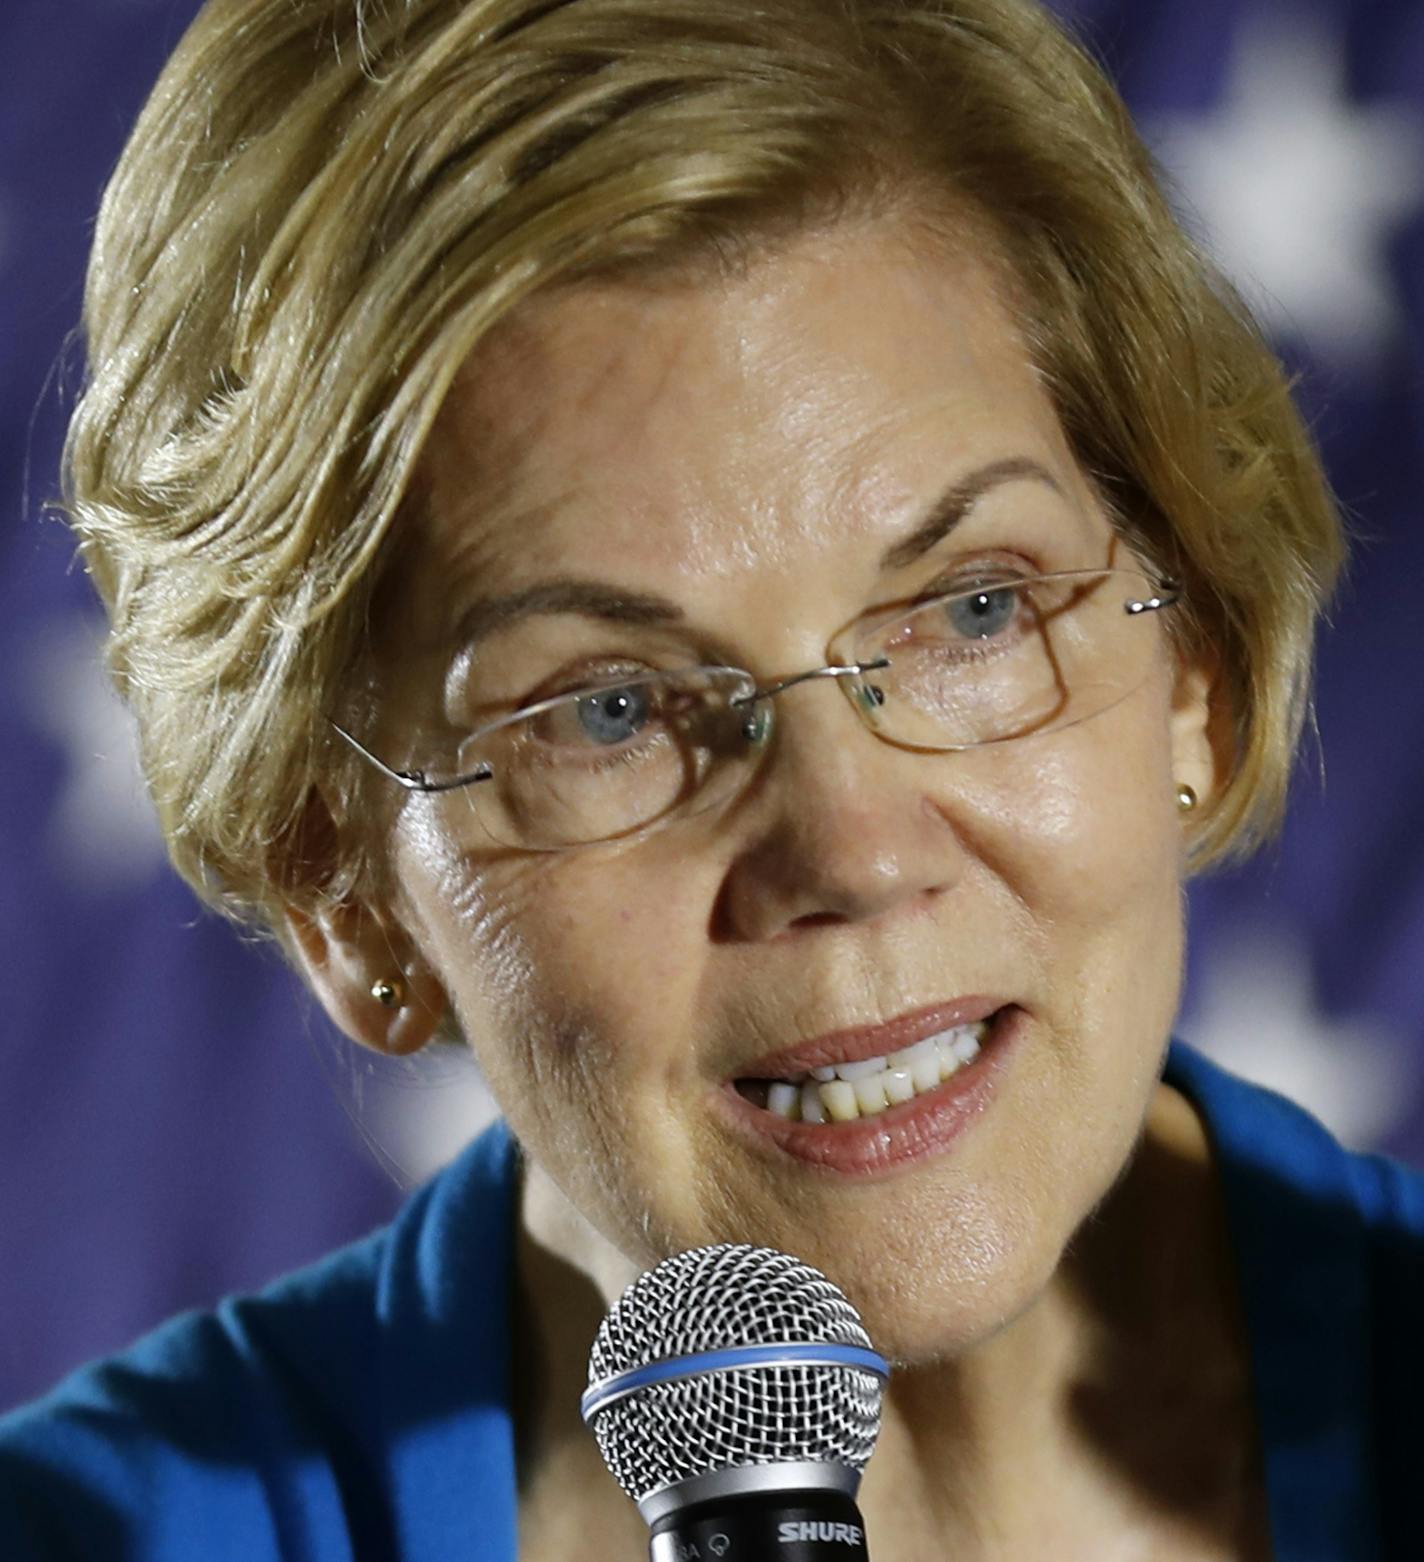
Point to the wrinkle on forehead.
(690, 430)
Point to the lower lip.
(901, 1135)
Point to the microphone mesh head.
(717, 1298)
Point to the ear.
(1200, 725)
(345, 951)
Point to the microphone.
(735, 1397)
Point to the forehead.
(725, 426)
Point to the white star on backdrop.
(1257, 1015)
(1298, 188)
(104, 832)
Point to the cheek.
(576, 981)
(560, 966)
(606, 936)
(1083, 825)
(1079, 836)
(1093, 852)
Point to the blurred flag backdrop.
(175, 1119)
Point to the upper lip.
(858, 1042)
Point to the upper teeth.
(861, 1089)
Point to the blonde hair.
(326, 204)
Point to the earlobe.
(1198, 763)
(375, 987)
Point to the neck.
(1120, 1396)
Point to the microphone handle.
(768, 1526)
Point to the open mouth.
(847, 1092)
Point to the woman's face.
(748, 452)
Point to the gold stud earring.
(390, 995)
(1186, 798)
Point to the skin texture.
(748, 448)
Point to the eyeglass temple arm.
(1169, 594)
(411, 780)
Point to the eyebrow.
(615, 604)
(566, 594)
(957, 501)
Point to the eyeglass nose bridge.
(753, 729)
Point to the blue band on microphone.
(600, 1395)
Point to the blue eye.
(614, 715)
(982, 614)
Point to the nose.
(840, 828)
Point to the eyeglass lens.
(1002, 660)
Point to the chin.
(933, 1296)
(934, 1266)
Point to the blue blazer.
(359, 1411)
